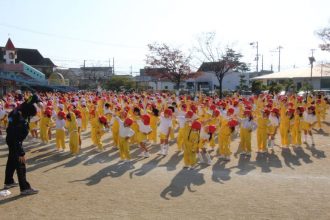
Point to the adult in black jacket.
(17, 131)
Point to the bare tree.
(217, 60)
(324, 34)
(174, 64)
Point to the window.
(165, 87)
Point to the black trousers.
(13, 165)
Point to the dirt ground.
(290, 184)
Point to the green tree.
(288, 85)
(274, 87)
(257, 86)
(118, 83)
(324, 34)
(242, 83)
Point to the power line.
(67, 37)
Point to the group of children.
(200, 123)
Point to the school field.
(291, 184)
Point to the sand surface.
(290, 184)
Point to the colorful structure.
(17, 75)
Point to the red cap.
(193, 108)
(103, 119)
(145, 119)
(231, 111)
(301, 108)
(61, 114)
(216, 113)
(290, 110)
(128, 122)
(189, 114)
(247, 112)
(232, 123)
(275, 110)
(212, 129)
(266, 111)
(196, 125)
(77, 113)
(168, 112)
(312, 107)
(48, 112)
(213, 107)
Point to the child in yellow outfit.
(144, 131)
(154, 119)
(45, 124)
(272, 129)
(285, 125)
(191, 145)
(125, 133)
(227, 126)
(100, 126)
(73, 133)
(297, 125)
(60, 131)
(205, 138)
(263, 124)
(165, 127)
(308, 123)
(33, 126)
(84, 116)
(247, 126)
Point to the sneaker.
(9, 186)
(141, 154)
(146, 154)
(227, 158)
(28, 192)
(248, 154)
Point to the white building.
(320, 77)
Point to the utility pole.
(113, 66)
(131, 70)
(262, 62)
(279, 58)
(256, 44)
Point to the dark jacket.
(17, 131)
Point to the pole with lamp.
(311, 61)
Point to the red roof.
(10, 45)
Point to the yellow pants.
(153, 135)
(93, 136)
(189, 157)
(74, 142)
(224, 144)
(44, 134)
(212, 141)
(180, 139)
(245, 135)
(98, 142)
(124, 149)
(84, 124)
(262, 139)
(115, 137)
(60, 139)
(284, 133)
(296, 136)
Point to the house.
(32, 57)
(319, 76)
(154, 79)
(16, 73)
(207, 80)
(87, 77)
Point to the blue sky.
(69, 32)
